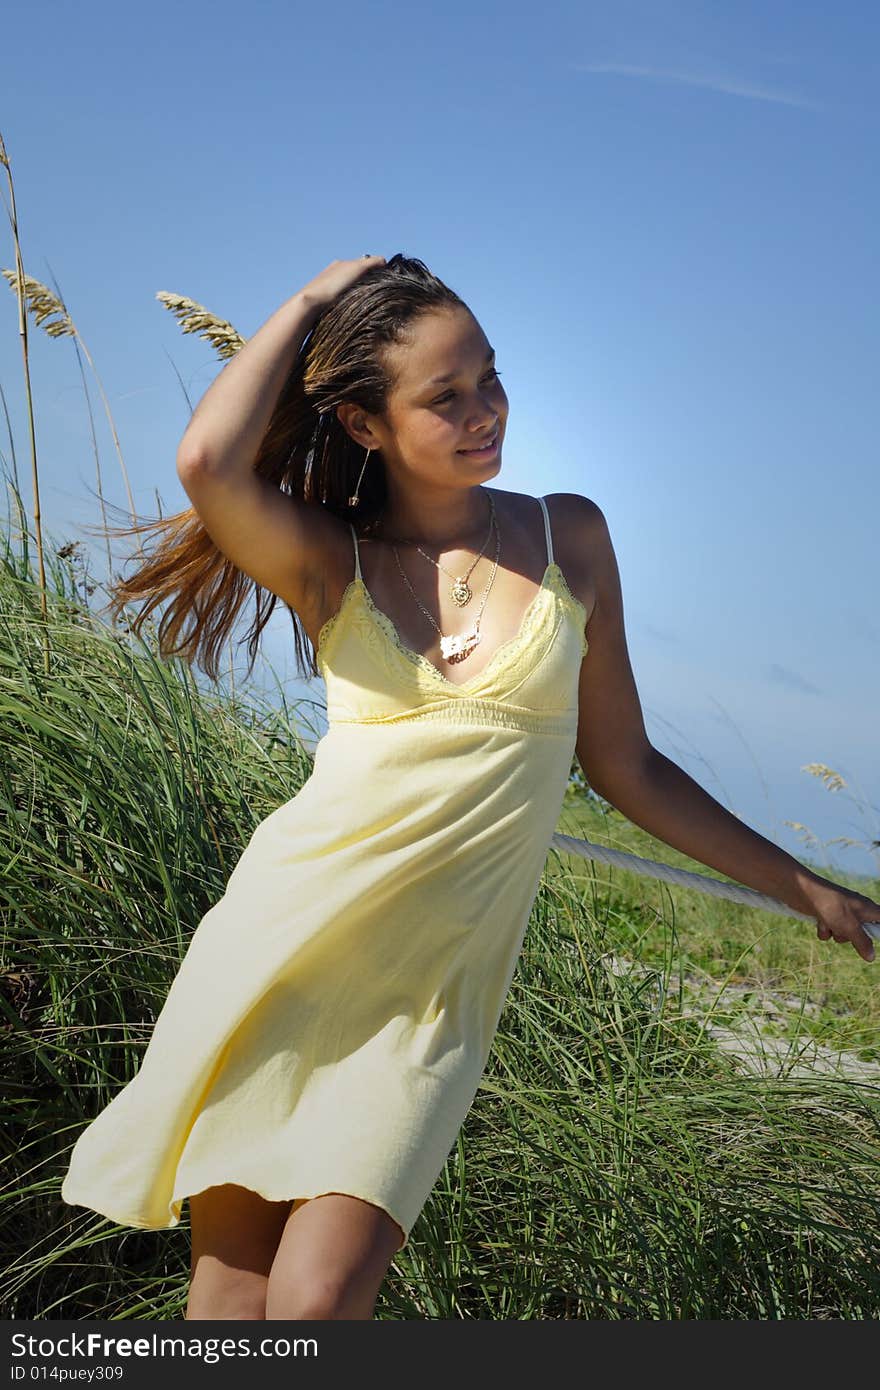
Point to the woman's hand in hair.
(337, 277)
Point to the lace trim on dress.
(374, 624)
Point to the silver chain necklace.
(455, 647)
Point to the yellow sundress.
(333, 1013)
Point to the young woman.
(325, 1035)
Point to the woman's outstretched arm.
(623, 766)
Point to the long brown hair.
(305, 451)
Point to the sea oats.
(42, 304)
(833, 780)
(195, 318)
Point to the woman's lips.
(486, 452)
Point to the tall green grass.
(615, 1163)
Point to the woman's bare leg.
(333, 1255)
(235, 1235)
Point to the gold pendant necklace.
(461, 592)
(454, 647)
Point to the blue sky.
(664, 218)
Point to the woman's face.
(430, 421)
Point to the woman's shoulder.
(569, 512)
(577, 522)
(528, 499)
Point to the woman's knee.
(235, 1235)
(218, 1296)
(319, 1297)
(332, 1258)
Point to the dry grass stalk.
(22, 329)
(51, 314)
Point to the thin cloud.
(730, 86)
(662, 634)
(792, 680)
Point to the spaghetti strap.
(357, 554)
(547, 531)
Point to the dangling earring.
(353, 501)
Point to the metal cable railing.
(685, 879)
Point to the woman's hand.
(337, 277)
(840, 914)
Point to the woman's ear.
(353, 421)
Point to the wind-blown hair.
(305, 451)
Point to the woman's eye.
(449, 394)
